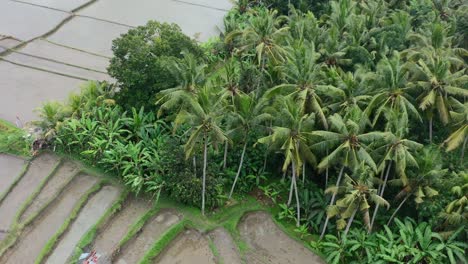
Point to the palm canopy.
(349, 143)
(291, 135)
(437, 82)
(393, 91)
(302, 81)
(203, 115)
(190, 75)
(460, 123)
(263, 35)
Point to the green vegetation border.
(50, 245)
(91, 234)
(16, 181)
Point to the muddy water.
(45, 49)
(26, 22)
(38, 171)
(56, 67)
(269, 244)
(136, 248)
(227, 250)
(67, 5)
(88, 216)
(189, 247)
(24, 90)
(10, 168)
(107, 241)
(88, 34)
(32, 240)
(192, 19)
(62, 176)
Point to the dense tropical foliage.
(349, 116)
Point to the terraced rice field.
(47, 224)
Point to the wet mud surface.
(10, 168)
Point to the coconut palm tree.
(358, 193)
(438, 83)
(459, 137)
(398, 154)
(420, 182)
(349, 145)
(191, 77)
(203, 114)
(245, 115)
(291, 137)
(302, 80)
(391, 82)
(263, 36)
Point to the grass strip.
(163, 242)
(137, 226)
(214, 250)
(91, 234)
(36, 192)
(50, 245)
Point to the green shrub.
(140, 62)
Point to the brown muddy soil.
(10, 168)
(190, 247)
(33, 239)
(38, 170)
(59, 180)
(228, 252)
(152, 231)
(94, 209)
(269, 244)
(107, 241)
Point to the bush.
(140, 62)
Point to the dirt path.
(61, 178)
(89, 215)
(43, 228)
(10, 167)
(39, 169)
(107, 241)
(136, 248)
(269, 244)
(188, 248)
(227, 250)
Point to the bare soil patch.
(188, 248)
(33, 239)
(151, 232)
(228, 252)
(59, 180)
(269, 244)
(38, 170)
(89, 215)
(107, 241)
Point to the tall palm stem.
(225, 155)
(350, 221)
(195, 165)
(380, 192)
(238, 170)
(396, 210)
(298, 206)
(291, 189)
(303, 172)
(332, 201)
(205, 155)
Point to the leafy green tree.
(141, 59)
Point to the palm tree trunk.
(332, 201)
(205, 155)
(398, 208)
(326, 174)
(238, 170)
(381, 192)
(291, 189)
(350, 221)
(463, 150)
(195, 165)
(298, 206)
(430, 129)
(225, 155)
